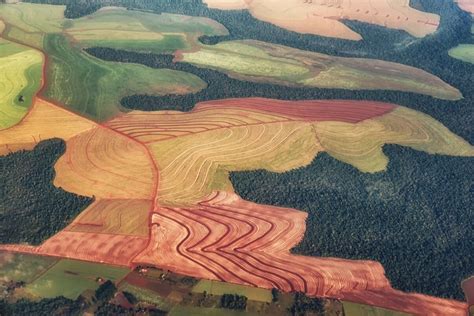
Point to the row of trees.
(32, 209)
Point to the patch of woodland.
(32, 209)
(415, 218)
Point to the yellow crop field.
(127, 217)
(34, 17)
(20, 77)
(44, 121)
(361, 144)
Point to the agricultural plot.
(127, 217)
(230, 135)
(34, 18)
(260, 61)
(466, 5)
(325, 18)
(94, 88)
(20, 79)
(464, 52)
(354, 309)
(221, 288)
(140, 31)
(23, 267)
(231, 240)
(70, 278)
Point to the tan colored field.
(103, 248)
(115, 35)
(361, 144)
(466, 5)
(323, 17)
(195, 151)
(106, 165)
(124, 217)
(44, 121)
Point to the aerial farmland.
(236, 157)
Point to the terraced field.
(263, 62)
(160, 180)
(325, 18)
(20, 79)
(175, 176)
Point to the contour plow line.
(170, 170)
(229, 239)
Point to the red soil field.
(149, 127)
(309, 110)
(232, 240)
(468, 288)
(103, 248)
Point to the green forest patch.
(94, 87)
(70, 278)
(18, 267)
(221, 288)
(32, 209)
(464, 52)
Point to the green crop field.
(70, 278)
(251, 60)
(198, 311)
(221, 288)
(140, 31)
(246, 60)
(23, 267)
(354, 309)
(20, 77)
(94, 87)
(464, 52)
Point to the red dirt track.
(310, 110)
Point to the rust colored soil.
(232, 240)
(468, 288)
(126, 217)
(103, 248)
(310, 110)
